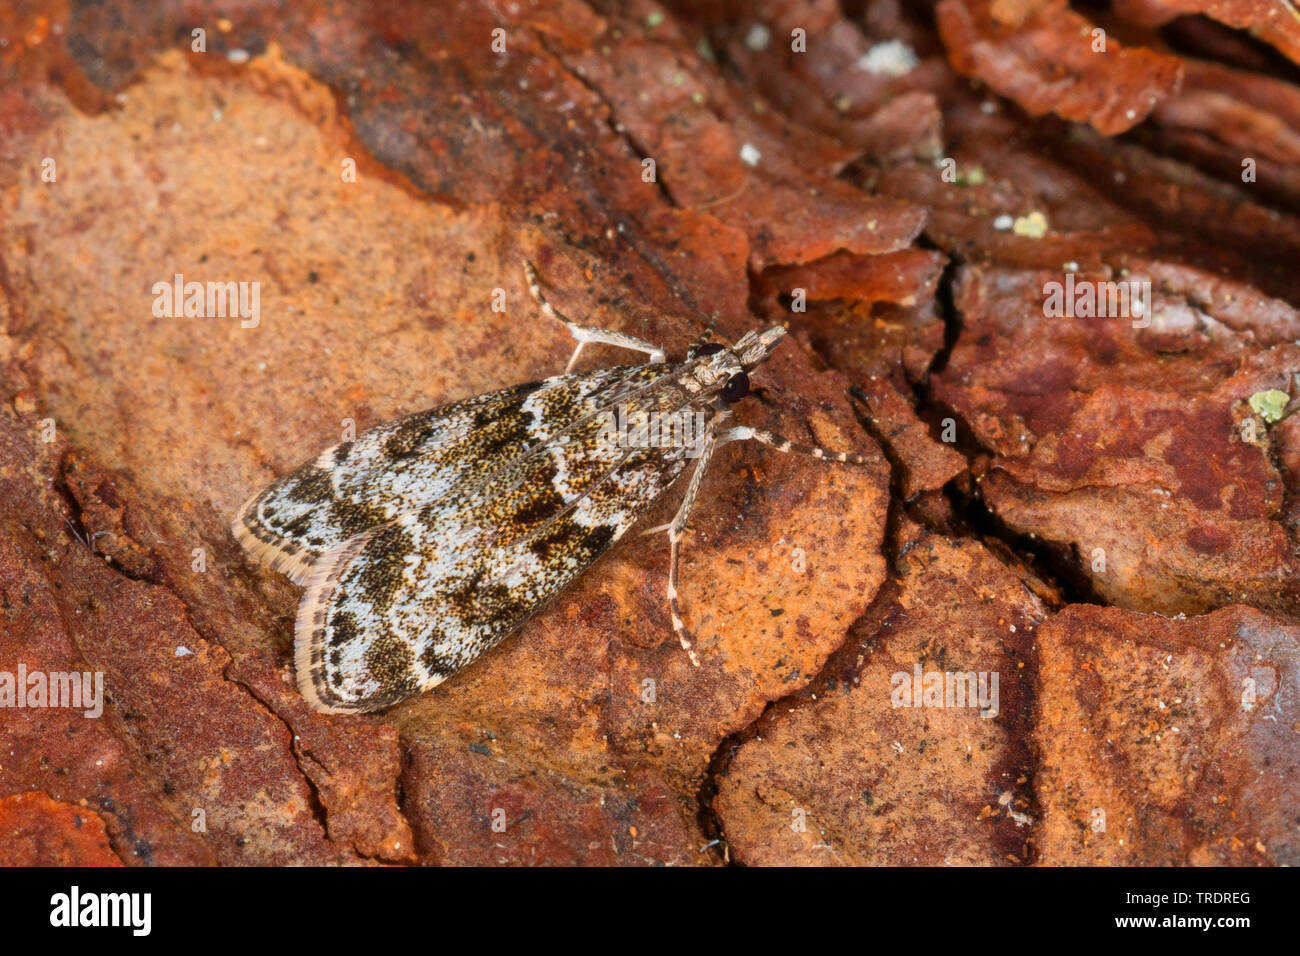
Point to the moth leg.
(743, 432)
(675, 531)
(589, 333)
(678, 526)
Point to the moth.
(426, 540)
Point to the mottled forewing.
(401, 466)
(399, 609)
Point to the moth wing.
(402, 465)
(398, 609)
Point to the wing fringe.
(309, 628)
(266, 547)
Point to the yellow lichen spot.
(1269, 404)
(1033, 226)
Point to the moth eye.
(737, 387)
(709, 348)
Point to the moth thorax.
(709, 377)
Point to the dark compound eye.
(709, 348)
(737, 387)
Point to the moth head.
(727, 368)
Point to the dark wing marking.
(398, 610)
(406, 464)
(403, 606)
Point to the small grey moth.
(428, 539)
